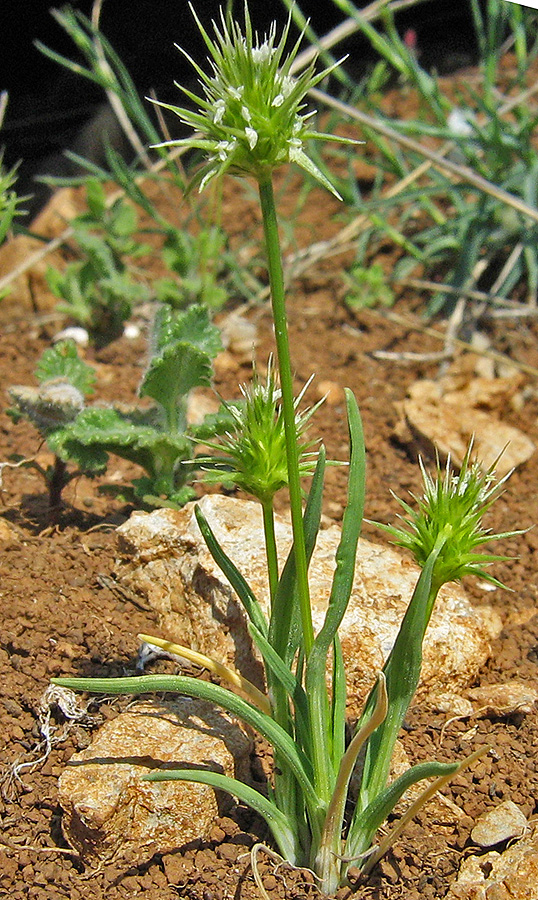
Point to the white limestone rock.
(448, 419)
(512, 875)
(110, 813)
(165, 560)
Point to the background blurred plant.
(10, 203)
(64, 383)
(158, 438)
(99, 290)
(367, 287)
(466, 236)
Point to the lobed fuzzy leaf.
(62, 361)
(193, 326)
(172, 374)
(99, 432)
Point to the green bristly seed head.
(254, 454)
(249, 118)
(450, 513)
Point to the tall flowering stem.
(251, 120)
(278, 301)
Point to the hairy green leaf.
(62, 361)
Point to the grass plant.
(10, 202)
(249, 119)
(466, 231)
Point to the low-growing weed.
(367, 287)
(98, 290)
(10, 202)
(158, 438)
(64, 383)
(198, 266)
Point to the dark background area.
(49, 107)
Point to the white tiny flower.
(236, 92)
(225, 149)
(287, 85)
(245, 112)
(252, 137)
(278, 101)
(263, 53)
(220, 109)
(295, 149)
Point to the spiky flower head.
(252, 455)
(250, 117)
(449, 516)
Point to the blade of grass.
(342, 584)
(279, 824)
(203, 690)
(229, 569)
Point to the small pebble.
(330, 391)
(504, 699)
(131, 331)
(500, 824)
(74, 333)
(452, 705)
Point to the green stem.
(270, 548)
(276, 280)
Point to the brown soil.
(59, 616)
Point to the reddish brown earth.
(59, 618)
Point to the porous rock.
(453, 705)
(512, 875)
(109, 812)
(10, 536)
(504, 699)
(164, 558)
(447, 418)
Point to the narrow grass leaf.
(228, 568)
(284, 618)
(339, 598)
(402, 672)
(194, 687)
(279, 824)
